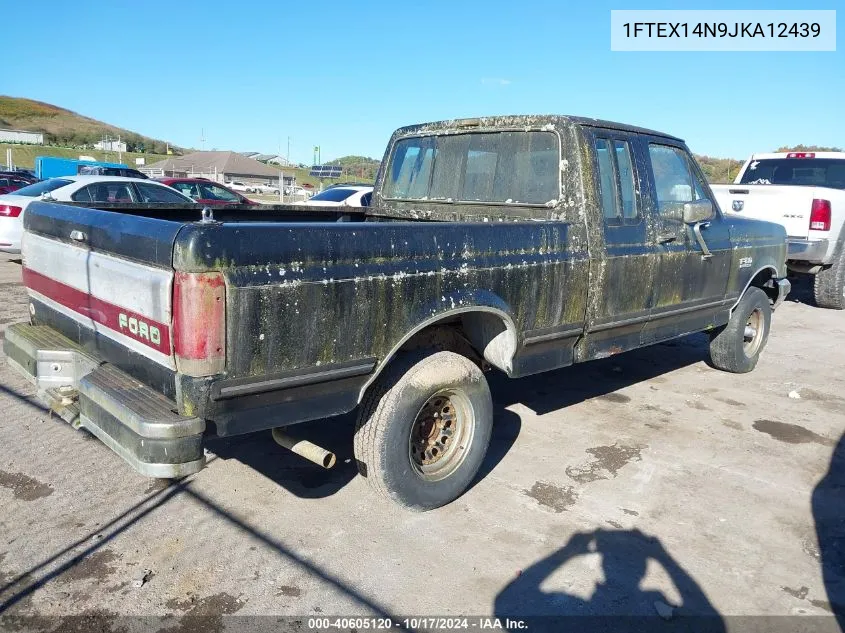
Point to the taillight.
(9, 211)
(820, 215)
(801, 155)
(199, 323)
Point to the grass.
(24, 155)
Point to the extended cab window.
(607, 188)
(616, 179)
(673, 178)
(504, 167)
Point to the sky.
(251, 75)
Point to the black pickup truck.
(523, 243)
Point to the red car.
(9, 183)
(205, 191)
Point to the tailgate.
(104, 280)
(787, 205)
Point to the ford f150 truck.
(522, 243)
(805, 192)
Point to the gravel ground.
(633, 485)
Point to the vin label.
(746, 30)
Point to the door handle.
(78, 236)
(665, 239)
(696, 229)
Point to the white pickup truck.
(804, 192)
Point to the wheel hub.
(752, 336)
(433, 431)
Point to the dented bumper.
(137, 423)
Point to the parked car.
(299, 192)
(56, 167)
(99, 170)
(205, 191)
(20, 174)
(339, 195)
(267, 188)
(8, 184)
(77, 189)
(565, 240)
(805, 193)
(236, 185)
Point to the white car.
(267, 188)
(343, 195)
(804, 192)
(242, 187)
(77, 189)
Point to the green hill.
(357, 168)
(64, 128)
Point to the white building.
(111, 146)
(21, 136)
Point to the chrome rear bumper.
(136, 422)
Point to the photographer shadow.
(618, 602)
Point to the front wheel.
(737, 346)
(423, 429)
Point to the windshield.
(505, 167)
(808, 172)
(42, 187)
(336, 194)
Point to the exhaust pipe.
(304, 448)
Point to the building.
(111, 146)
(217, 166)
(21, 136)
(249, 154)
(279, 160)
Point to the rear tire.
(737, 346)
(829, 284)
(423, 429)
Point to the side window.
(158, 193)
(672, 177)
(213, 192)
(187, 188)
(607, 187)
(625, 166)
(107, 192)
(83, 195)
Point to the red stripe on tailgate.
(143, 329)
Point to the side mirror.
(698, 211)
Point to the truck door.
(622, 275)
(694, 262)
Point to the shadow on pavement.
(544, 393)
(20, 587)
(802, 289)
(618, 602)
(829, 514)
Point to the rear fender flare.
(500, 348)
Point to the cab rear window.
(501, 167)
(810, 172)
